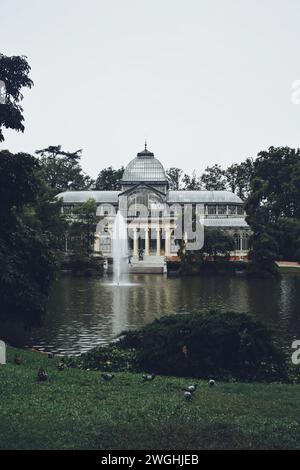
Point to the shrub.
(82, 265)
(209, 344)
(107, 358)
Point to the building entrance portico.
(153, 240)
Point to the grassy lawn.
(76, 409)
(289, 269)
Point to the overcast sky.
(205, 81)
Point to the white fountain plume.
(120, 248)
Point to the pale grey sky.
(205, 81)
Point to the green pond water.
(85, 312)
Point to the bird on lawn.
(190, 388)
(61, 365)
(211, 383)
(72, 364)
(107, 376)
(42, 375)
(18, 360)
(188, 396)
(50, 355)
(148, 377)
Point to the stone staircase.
(149, 265)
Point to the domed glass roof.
(145, 167)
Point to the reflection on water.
(83, 313)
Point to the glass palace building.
(155, 215)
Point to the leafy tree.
(190, 260)
(61, 170)
(273, 205)
(275, 184)
(244, 178)
(213, 178)
(288, 238)
(238, 177)
(109, 179)
(174, 176)
(263, 255)
(191, 183)
(83, 227)
(232, 174)
(14, 73)
(235, 178)
(28, 258)
(217, 242)
(48, 213)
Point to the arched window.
(141, 202)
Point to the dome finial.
(145, 145)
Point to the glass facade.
(222, 209)
(68, 209)
(142, 201)
(105, 243)
(232, 210)
(211, 210)
(144, 168)
(146, 201)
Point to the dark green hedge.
(208, 344)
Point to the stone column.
(97, 243)
(147, 252)
(241, 241)
(157, 241)
(110, 232)
(135, 242)
(168, 241)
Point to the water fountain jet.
(120, 249)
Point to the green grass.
(289, 269)
(76, 409)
